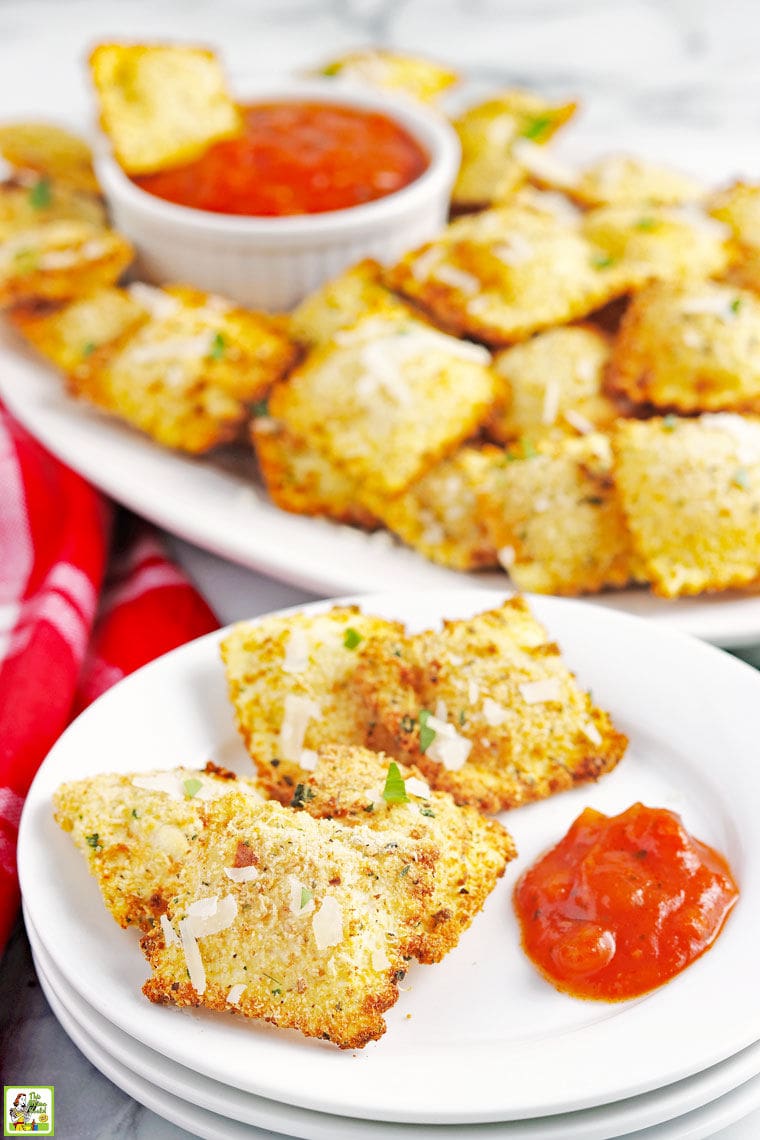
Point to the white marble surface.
(635, 64)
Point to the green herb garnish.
(192, 787)
(405, 870)
(427, 734)
(646, 223)
(735, 305)
(602, 261)
(407, 723)
(669, 422)
(260, 408)
(351, 638)
(89, 348)
(394, 791)
(306, 896)
(427, 811)
(135, 813)
(536, 128)
(218, 347)
(41, 194)
(740, 478)
(302, 795)
(93, 841)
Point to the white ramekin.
(271, 263)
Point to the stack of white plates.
(479, 1043)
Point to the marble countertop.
(636, 65)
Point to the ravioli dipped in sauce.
(623, 903)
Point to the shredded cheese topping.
(327, 923)
(537, 692)
(297, 651)
(448, 747)
(235, 993)
(241, 874)
(493, 713)
(298, 712)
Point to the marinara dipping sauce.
(296, 158)
(622, 903)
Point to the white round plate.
(692, 715)
(219, 505)
(602, 1123)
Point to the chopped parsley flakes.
(302, 795)
(192, 787)
(427, 734)
(94, 841)
(537, 128)
(41, 195)
(218, 347)
(351, 638)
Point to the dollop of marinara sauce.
(622, 903)
(296, 158)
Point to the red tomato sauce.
(296, 158)
(622, 903)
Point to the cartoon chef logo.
(28, 1110)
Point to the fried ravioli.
(353, 785)
(690, 489)
(556, 520)
(311, 929)
(487, 710)
(690, 348)
(291, 684)
(136, 831)
(60, 260)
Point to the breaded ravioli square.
(554, 385)
(626, 180)
(487, 710)
(70, 335)
(60, 260)
(136, 830)
(300, 479)
(488, 131)
(690, 489)
(161, 105)
(488, 274)
(356, 293)
(691, 348)
(290, 681)
(738, 206)
(556, 519)
(358, 786)
(439, 516)
(51, 151)
(29, 200)
(311, 929)
(188, 376)
(385, 400)
(641, 243)
(423, 79)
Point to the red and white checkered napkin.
(74, 617)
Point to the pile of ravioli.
(303, 895)
(564, 383)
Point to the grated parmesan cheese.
(241, 874)
(448, 747)
(473, 691)
(204, 917)
(423, 266)
(158, 303)
(300, 898)
(591, 732)
(493, 713)
(175, 348)
(416, 787)
(537, 692)
(543, 164)
(170, 935)
(327, 923)
(516, 250)
(235, 993)
(552, 395)
(507, 557)
(457, 278)
(297, 714)
(296, 651)
(577, 421)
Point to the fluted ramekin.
(271, 263)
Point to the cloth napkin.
(87, 595)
